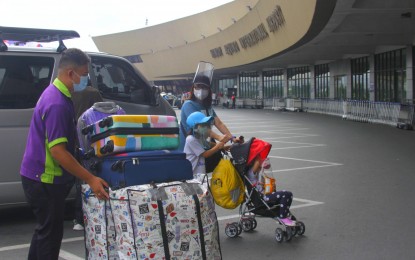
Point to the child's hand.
(220, 145)
(227, 147)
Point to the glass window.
(23, 79)
(360, 78)
(390, 76)
(225, 84)
(273, 83)
(249, 82)
(340, 87)
(117, 80)
(321, 80)
(298, 80)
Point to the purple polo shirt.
(53, 122)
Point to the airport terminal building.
(322, 52)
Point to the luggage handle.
(106, 122)
(87, 130)
(108, 147)
(118, 166)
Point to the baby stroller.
(254, 203)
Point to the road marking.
(304, 160)
(307, 203)
(22, 246)
(68, 256)
(325, 164)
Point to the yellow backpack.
(226, 185)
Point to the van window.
(23, 79)
(117, 80)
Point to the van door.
(22, 80)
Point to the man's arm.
(70, 164)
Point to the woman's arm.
(224, 130)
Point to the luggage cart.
(406, 115)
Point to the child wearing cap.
(197, 146)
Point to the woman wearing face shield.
(201, 100)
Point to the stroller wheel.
(239, 226)
(246, 224)
(279, 235)
(289, 233)
(254, 223)
(294, 231)
(300, 227)
(231, 230)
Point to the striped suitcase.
(129, 133)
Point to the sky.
(98, 17)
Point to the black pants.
(79, 216)
(48, 204)
(283, 198)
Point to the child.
(259, 162)
(197, 146)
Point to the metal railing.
(388, 113)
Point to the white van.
(26, 71)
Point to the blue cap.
(197, 118)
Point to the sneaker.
(288, 222)
(77, 226)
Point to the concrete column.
(410, 73)
(237, 84)
(331, 82)
(260, 88)
(285, 84)
(372, 78)
(348, 72)
(312, 83)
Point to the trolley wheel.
(300, 227)
(279, 235)
(254, 223)
(231, 230)
(289, 233)
(246, 224)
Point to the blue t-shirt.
(53, 122)
(189, 107)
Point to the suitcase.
(95, 113)
(144, 167)
(173, 221)
(129, 133)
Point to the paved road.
(353, 184)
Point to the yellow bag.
(226, 185)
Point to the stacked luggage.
(156, 210)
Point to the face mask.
(201, 93)
(77, 87)
(202, 135)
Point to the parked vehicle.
(27, 69)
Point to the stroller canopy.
(258, 148)
(245, 153)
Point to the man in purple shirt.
(49, 167)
